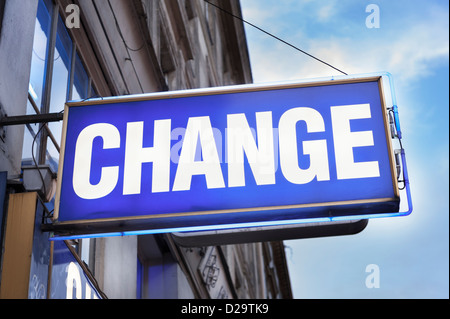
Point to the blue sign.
(220, 158)
(69, 280)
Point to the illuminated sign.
(228, 157)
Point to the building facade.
(53, 51)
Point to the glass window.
(61, 68)
(29, 134)
(52, 153)
(30, 146)
(59, 85)
(81, 88)
(93, 91)
(63, 77)
(68, 80)
(38, 65)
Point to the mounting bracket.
(6, 120)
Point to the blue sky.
(412, 43)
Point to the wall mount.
(6, 120)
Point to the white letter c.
(82, 162)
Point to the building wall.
(116, 266)
(131, 47)
(16, 41)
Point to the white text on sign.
(240, 143)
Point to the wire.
(34, 159)
(274, 36)
(120, 32)
(127, 47)
(395, 134)
(32, 153)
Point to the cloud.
(408, 48)
(326, 12)
(412, 43)
(421, 46)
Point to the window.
(82, 84)
(2, 10)
(38, 65)
(57, 75)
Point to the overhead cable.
(273, 36)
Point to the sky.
(410, 40)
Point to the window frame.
(56, 14)
(78, 70)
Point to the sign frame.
(179, 222)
